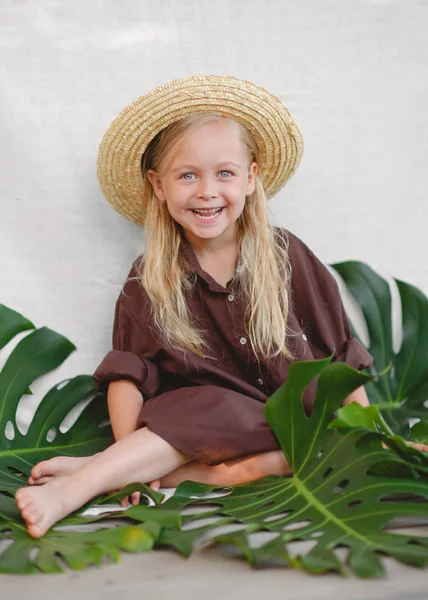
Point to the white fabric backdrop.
(353, 74)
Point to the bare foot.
(56, 467)
(43, 506)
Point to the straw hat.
(119, 156)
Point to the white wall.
(353, 74)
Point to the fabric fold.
(126, 365)
(209, 424)
(354, 354)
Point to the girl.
(215, 310)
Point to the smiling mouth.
(207, 213)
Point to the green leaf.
(355, 415)
(344, 492)
(37, 354)
(77, 550)
(412, 461)
(331, 500)
(165, 518)
(12, 323)
(401, 393)
(419, 433)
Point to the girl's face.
(204, 180)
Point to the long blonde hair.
(263, 275)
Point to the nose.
(207, 189)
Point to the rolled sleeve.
(354, 354)
(126, 365)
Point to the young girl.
(216, 309)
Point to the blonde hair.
(263, 275)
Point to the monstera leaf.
(39, 352)
(332, 500)
(403, 393)
(340, 500)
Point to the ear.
(156, 182)
(251, 178)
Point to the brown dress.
(212, 408)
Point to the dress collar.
(196, 268)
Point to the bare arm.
(125, 402)
(359, 395)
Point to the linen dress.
(212, 408)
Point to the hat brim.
(125, 141)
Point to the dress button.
(260, 381)
(304, 337)
(231, 297)
(243, 341)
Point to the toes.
(37, 472)
(40, 481)
(135, 498)
(22, 498)
(35, 531)
(46, 468)
(31, 515)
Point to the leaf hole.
(340, 487)
(297, 525)
(60, 560)
(51, 435)
(426, 403)
(195, 510)
(71, 418)
(62, 384)
(318, 455)
(32, 554)
(269, 504)
(260, 538)
(354, 503)
(17, 472)
(9, 431)
(317, 534)
(392, 372)
(402, 496)
(301, 547)
(197, 523)
(328, 471)
(414, 543)
(281, 515)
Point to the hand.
(135, 497)
(421, 447)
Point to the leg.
(233, 472)
(141, 456)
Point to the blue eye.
(229, 173)
(184, 176)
